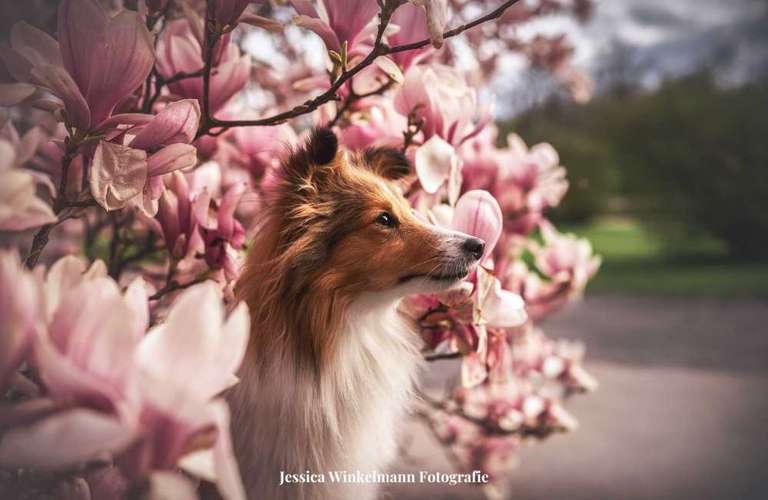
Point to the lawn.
(637, 261)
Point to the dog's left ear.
(387, 162)
(322, 146)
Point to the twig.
(352, 98)
(59, 204)
(379, 49)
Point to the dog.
(331, 362)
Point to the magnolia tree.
(136, 143)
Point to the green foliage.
(690, 155)
(637, 261)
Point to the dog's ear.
(389, 163)
(305, 164)
(322, 146)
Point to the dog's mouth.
(441, 277)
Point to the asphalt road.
(681, 412)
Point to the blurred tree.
(691, 152)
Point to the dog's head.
(345, 227)
(336, 227)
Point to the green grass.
(637, 261)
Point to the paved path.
(681, 412)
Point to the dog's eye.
(385, 219)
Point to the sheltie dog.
(330, 364)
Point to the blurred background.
(668, 166)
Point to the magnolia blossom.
(566, 264)
(149, 401)
(463, 325)
(436, 98)
(179, 51)
(20, 208)
(535, 354)
(129, 168)
(222, 233)
(566, 258)
(338, 23)
(509, 407)
(260, 148)
(411, 22)
(440, 97)
(20, 310)
(97, 62)
(378, 124)
(194, 224)
(524, 181)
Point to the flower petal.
(478, 214)
(193, 348)
(177, 122)
(321, 29)
(61, 83)
(37, 46)
(170, 486)
(170, 158)
(21, 309)
(107, 57)
(228, 478)
(20, 208)
(64, 439)
(13, 93)
(118, 173)
(433, 162)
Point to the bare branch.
(379, 49)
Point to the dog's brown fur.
(330, 362)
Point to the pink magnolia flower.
(179, 402)
(177, 220)
(97, 62)
(439, 95)
(148, 400)
(378, 124)
(65, 438)
(337, 22)
(194, 224)
(566, 259)
(525, 181)
(179, 50)
(459, 320)
(411, 21)
(534, 353)
(438, 165)
(478, 213)
(132, 172)
(260, 148)
(20, 208)
(20, 308)
(86, 356)
(222, 233)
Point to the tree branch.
(379, 49)
(59, 205)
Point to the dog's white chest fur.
(285, 419)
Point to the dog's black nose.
(474, 247)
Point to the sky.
(660, 39)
